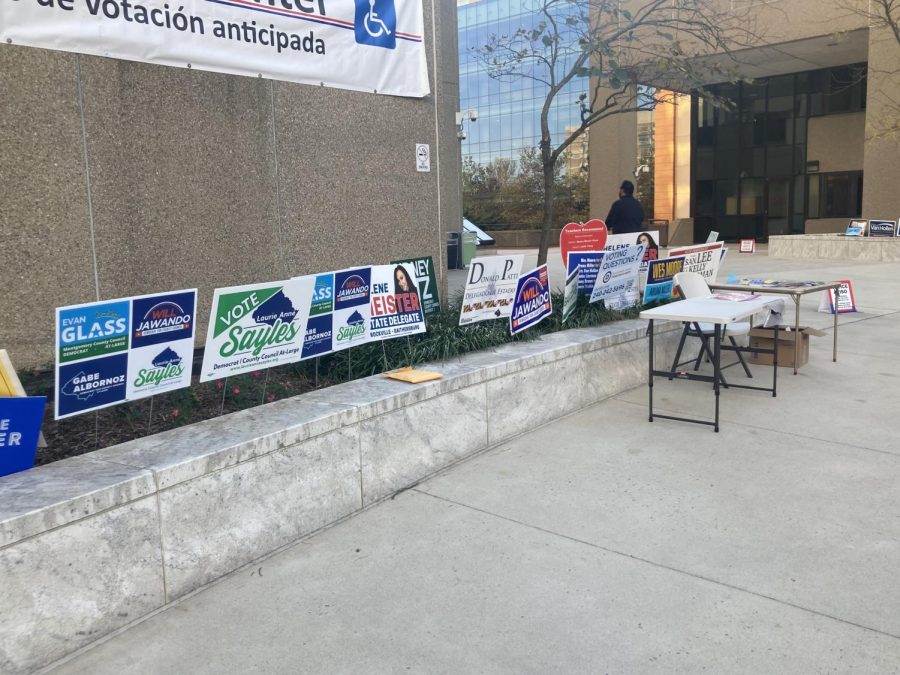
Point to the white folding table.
(719, 312)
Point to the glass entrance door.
(778, 206)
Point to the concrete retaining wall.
(838, 247)
(91, 543)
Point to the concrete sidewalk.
(603, 543)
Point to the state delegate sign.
(365, 45)
(122, 350)
(256, 326)
(395, 307)
(490, 288)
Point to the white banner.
(617, 282)
(395, 306)
(490, 288)
(704, 259)
(365, 45)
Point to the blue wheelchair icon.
(376, 23)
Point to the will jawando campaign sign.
(122, 350)
(365, 45)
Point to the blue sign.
(92, 330)
(318, 336)
(660, 279)
(532, 300)
(20, 428)
(376, 23)
(162, 318)
(588, 265)
(91, 384)
(853, 232)
(352, 287)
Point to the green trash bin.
(470, 244)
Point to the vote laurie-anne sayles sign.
(256, 326)
(123, 350)
(366, 45)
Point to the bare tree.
(631, 56)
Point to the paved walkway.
(602, 543)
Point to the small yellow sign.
(9, 381)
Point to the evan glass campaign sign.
(118, 350)
(396, 308)
(367, 45)
(256, 326)
(490, 288)
(617, 283)
(532, 301)
(320, 327)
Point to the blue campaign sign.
(317, 340)
(20, 427)
(352, 287)
(588, 265)
(532, 300)
(90, 385)
(86, 331)
(660, 278)
(375, 23)
(166, 317)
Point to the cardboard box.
(764, 337)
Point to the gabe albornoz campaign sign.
(121, 350)
(366, 45)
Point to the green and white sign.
(256, 326)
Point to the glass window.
(726, 198)
(753, 191)
(779, 160)
(836, 195)
(813, 206)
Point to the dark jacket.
(626, 215)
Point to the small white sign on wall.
(423, 157)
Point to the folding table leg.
(684, 335)
(650, 380)
(717, 365)
(740, 357)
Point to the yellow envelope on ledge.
(408, 374)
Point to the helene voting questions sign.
(617, 282)
(490, 288)
(122, 350)
(532, 300)
(366, 45)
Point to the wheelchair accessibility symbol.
(376, 23)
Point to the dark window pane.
(704, 166)
(753, 162)
(703, 203)
(726, 198)
(814, 196)
(752, 192)
(779, 160)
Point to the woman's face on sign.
(644, 239)
(401, 281)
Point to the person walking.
(626, 214)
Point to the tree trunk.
(547, 224)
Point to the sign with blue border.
(588, 265)
(20, 428)
(532, 302)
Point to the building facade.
(798, 148)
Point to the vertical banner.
(490, 288)
(121, 350)
(532, 300)
(396, 308)
(660, 284)
(617, 283)
(352, 313)
(424, 275)
(256, 326)
(20, 428)
(319, 326)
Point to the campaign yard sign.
(660, 279)
(256, 326)
(617, 283)
(20, 428)
(748, 246)
(532, 300)
(426, 280)
(490, 288)
(352, 312)
(570, 300)
(320, 325)
(704, 259)
(650, 240)
(396, 308)
(121, 350)
(589, 236)
(843, 301)
(882, 228)
(587, 264)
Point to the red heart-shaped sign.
(577, 237)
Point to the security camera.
(473, 115)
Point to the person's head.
(402, 281)
(626, 189)
(646, 239)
